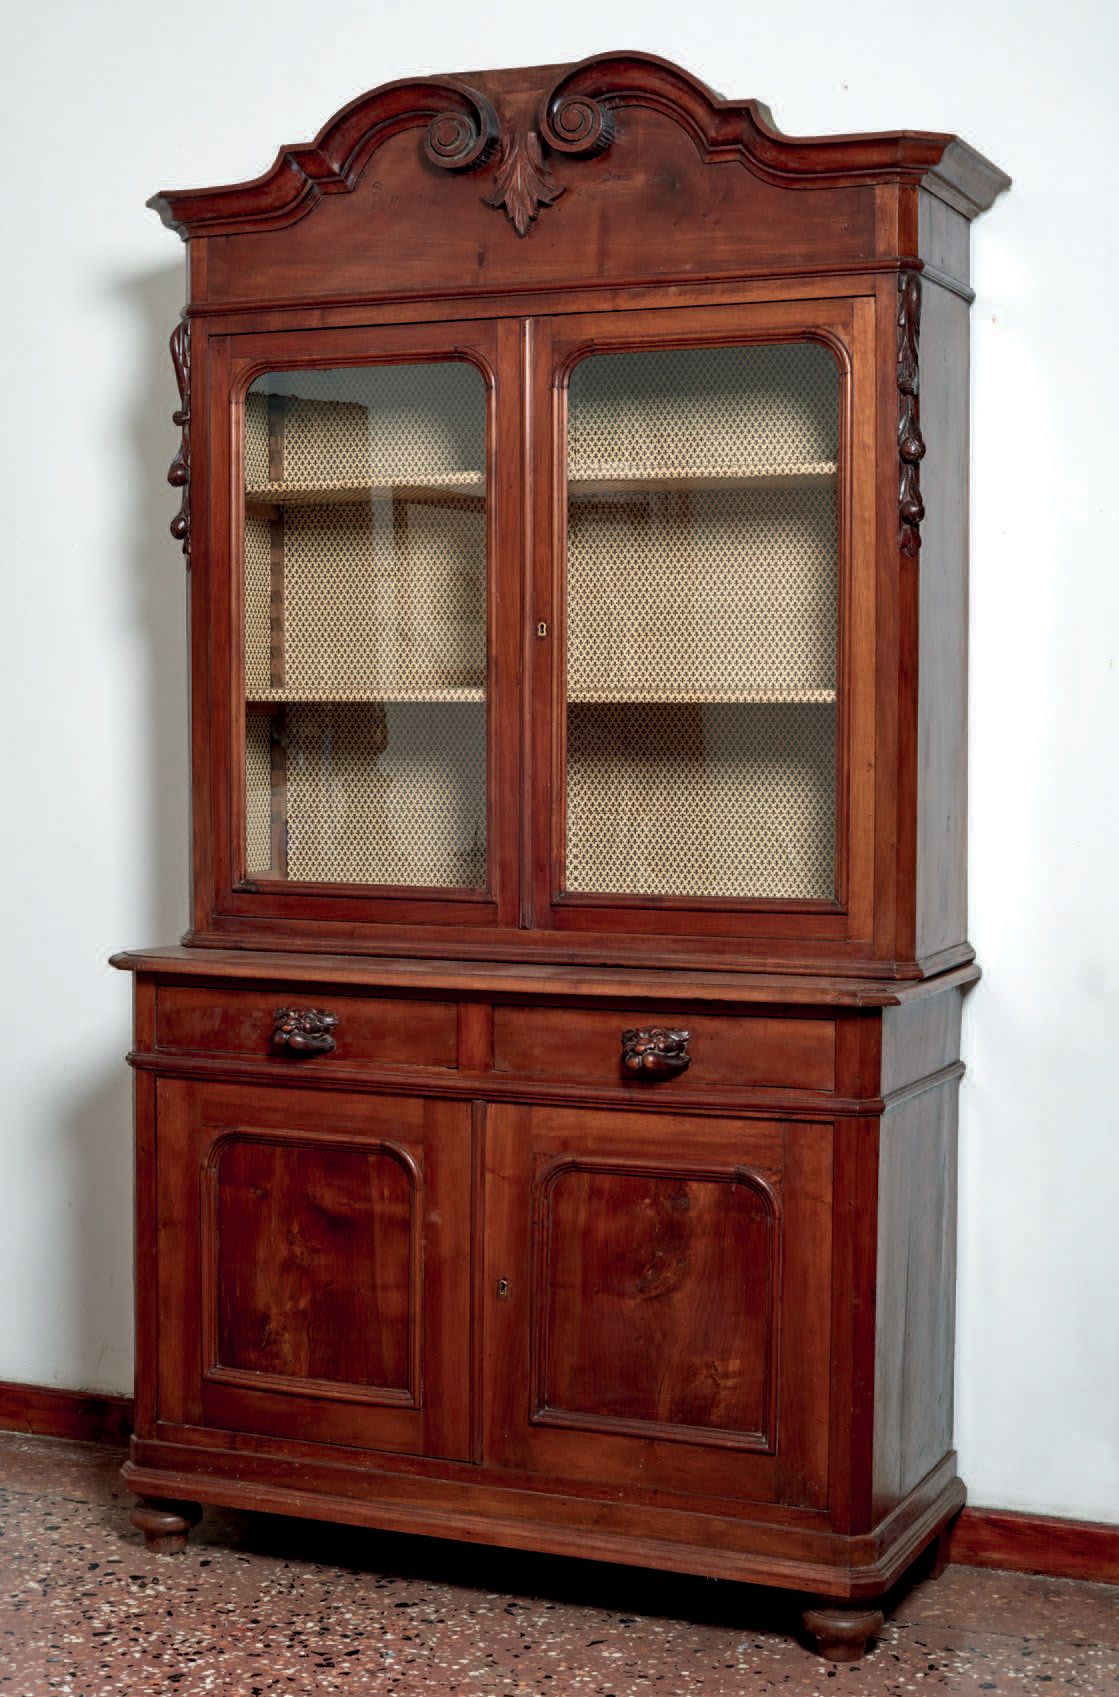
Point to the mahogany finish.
(388, 1032)
(619, 1226)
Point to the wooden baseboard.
(1033, 1543)
(979, 1537)
(47, 1413)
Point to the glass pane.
(365, 625)
(702, 590)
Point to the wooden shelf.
(704, 698)
(268, 500)
(606, 479)
(454, 693)
(582, 698)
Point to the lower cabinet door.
(659, 1301)
(313, 1265)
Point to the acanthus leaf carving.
(911, 443)
(178, 475)
(524, 183)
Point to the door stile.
(544, 413)
(505, 623)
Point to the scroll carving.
(524, 183)
(578, 124)
(656, 1050)
(178, 475)
(306, 1031)
(462, 139)
(911, 444)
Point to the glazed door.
(372, 726)
(658, 1301)
(705, 744)
(314, 1266)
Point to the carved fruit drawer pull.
(656, 1051)
(307, 1031)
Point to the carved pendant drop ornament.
(178, 475)
(911, 444)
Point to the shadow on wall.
(158, 582)
(95, 1315)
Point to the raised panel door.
(314, 1265)
(658, 1301)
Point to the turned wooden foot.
(165, 1525)
(841, 1634)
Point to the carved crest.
(569, 123)
(911, 444)
(574, 118)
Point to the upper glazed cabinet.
(531, 622)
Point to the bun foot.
(165, 1525)
(841, 1634)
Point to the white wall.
(106, 104)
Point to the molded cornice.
(576, 117)
(462, 132)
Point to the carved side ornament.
(911, 444)
(179, 474)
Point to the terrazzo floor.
(258, 1606)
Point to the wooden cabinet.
(546, 1130)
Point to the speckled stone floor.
(258, 1606)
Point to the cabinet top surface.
(529, 979)
(630, 143)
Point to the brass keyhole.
(542, 629)
(503, 1287)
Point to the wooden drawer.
(586, 1044)
(380, 1031)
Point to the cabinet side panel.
(944, 237)
(920, 1038)
(942, 643)
(916, 1310)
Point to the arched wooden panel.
(313, 1262)
(655, 1302)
